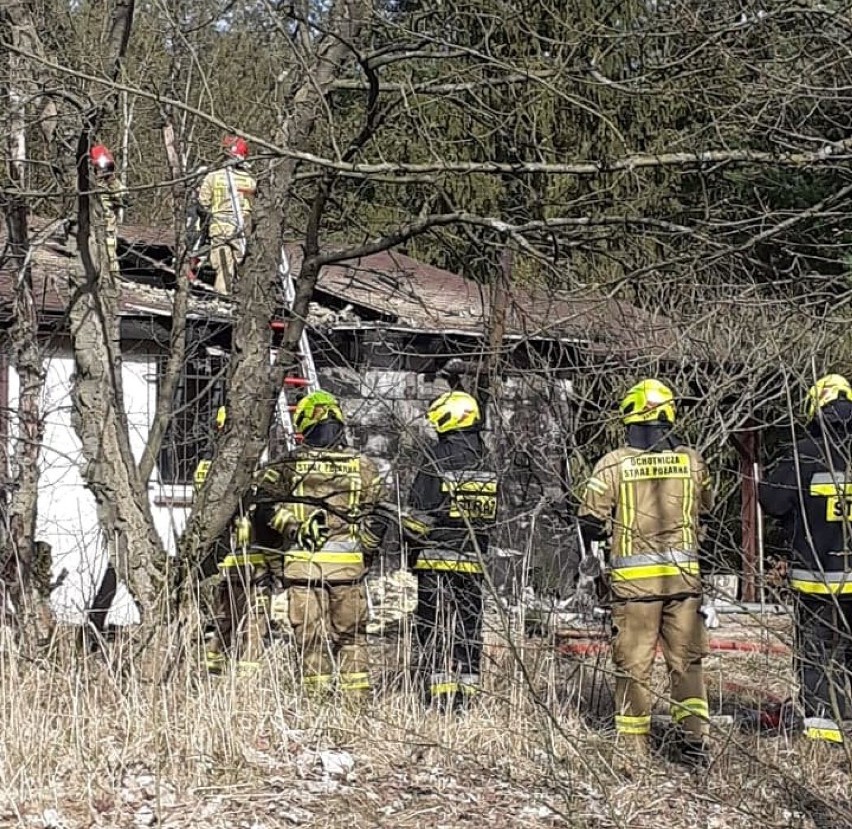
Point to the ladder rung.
(298, 382)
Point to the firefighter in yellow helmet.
(649, 495)
(456, 490)
(315, 509)
(810, 491)
(225, 200)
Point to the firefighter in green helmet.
(310, 516)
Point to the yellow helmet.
(314, 408)
(452, 411)
(826, 390)
(648, 401)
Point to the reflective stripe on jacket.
(334, 552)
(447, 560)
(654, 565)
(830, 583)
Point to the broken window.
(190, 434)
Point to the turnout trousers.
(677, 626)
(225, 257)
(242, 608)
(448, 635)
(823, 661)
(329, 621)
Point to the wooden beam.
(747, 447)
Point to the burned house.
(384, 331)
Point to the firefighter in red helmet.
(111, 196)
(225, 198)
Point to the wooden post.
(747, 446)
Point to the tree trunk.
(27, 358)
(99, 416)
(250, 375)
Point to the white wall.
(67, 516)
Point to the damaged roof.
(421, 297)
(381, 290)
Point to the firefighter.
(225, 199)
(310, 518)
(237, 634)
(648, 495)
(457, 493)
(112, 200)
(810, 491)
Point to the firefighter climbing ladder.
(307, 379)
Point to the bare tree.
(22, 99)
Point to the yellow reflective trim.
(632, 725)
(830, 735)
(443, 688)
(838, 588)
(317, 679)
(596, 485)
(200, 475)
(449, 566)
(651, 571)
(359, 681)
(691, 707)
(299, 509)
(323, 558)
(688, 498)
(626, 493)
(832, 490)
(469, 690)
(241, 559)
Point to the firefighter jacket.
(315, 507)
(226, 196)
(111, 195)
(458, 492)
(810, 490)
(651, 500)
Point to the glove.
(415, 527)
(282, 518)
(776, 576)
(711, 618)
(313, 532)
(242, 530)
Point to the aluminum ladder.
(306, 380)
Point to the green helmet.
(314, 408)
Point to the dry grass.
(84, 747)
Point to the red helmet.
(102, 160)
(235, 147)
